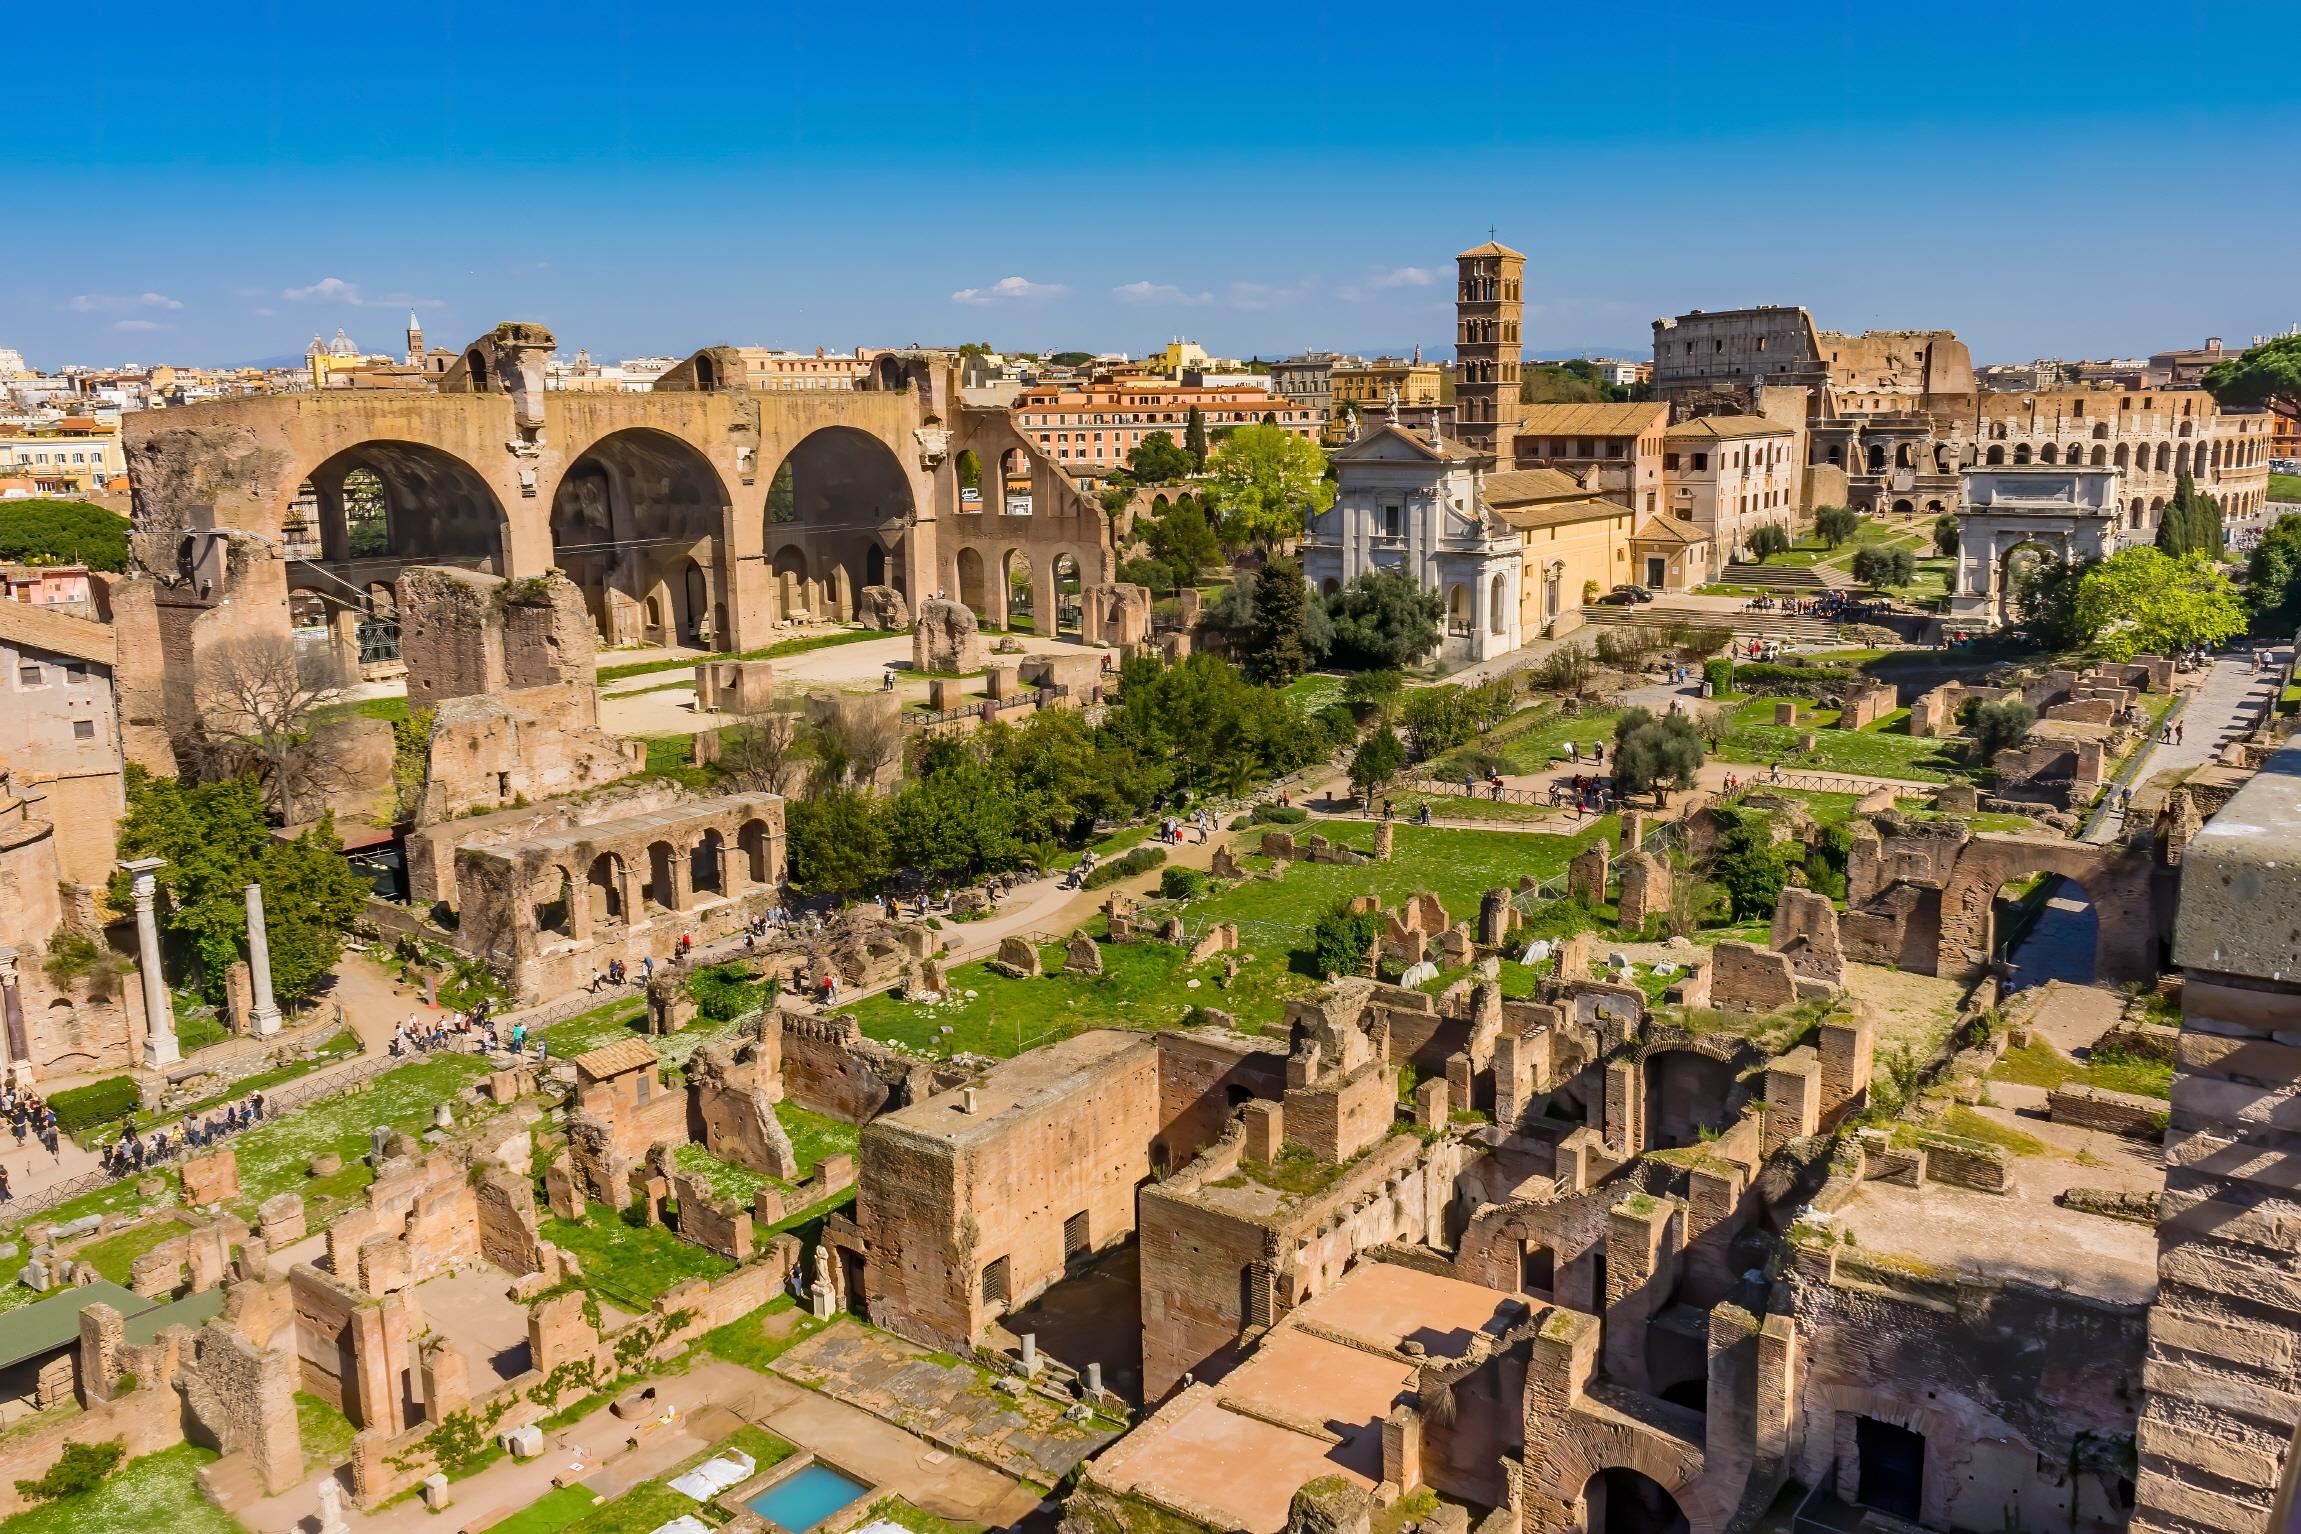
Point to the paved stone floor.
(1094, 1316)
(951, 1402)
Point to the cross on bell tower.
(1489, 307)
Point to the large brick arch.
(2116, 880)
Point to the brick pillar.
(1713, 1198)
(1642, 1239)
(1775, 1414)
(1727, 1427)
(1625, 1107)
(1402, 1447)
(1793, 1098)
(1846, 1051)
(1564, 1356)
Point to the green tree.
(1373, 693)
(1275, 653)
(1142, 570)
(1876, 567)
(2045, 599)
(1266, 481)
(2192, 522)
(77, 1471)
(1183, 538)
(1835, 524)
(1945, 535)
(1750, 870)
(217, 842)
(2273, 576)
(1194, 435)
(2268, 374)
(1999, 725)
(1383, 620)
(2141, 601)
(838, 843)
(954, 819)
(1768, 539)
(1437, 719)
(56, 532)
(1341, 939)
(1377, 760)
(1650, 751)
(1156, 459)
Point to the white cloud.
(1010, 290)
(137, 325)
(1406, 277)
(334, 290)
(1255, 297)
(1158, 293)
(113, 303)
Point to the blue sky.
(215, 186)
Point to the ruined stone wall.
(935, 1212)
(828, 1067)
(241, 1397)
(146, 1420)
(1202, 1077)
(2006, 1382)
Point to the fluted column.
(159, 1010)
(267, 1019)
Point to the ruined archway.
(1687, 1093)
(603, 886)
(2116, 882)
(555, 903)
(1619, 1500)
(408, 504)
(1070, 610)
(755, 840)
(970, 577)
(706, 865)
(1022, 591)
(634, 515)
(837, 497)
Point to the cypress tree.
(1194, 435)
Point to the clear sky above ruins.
(214, 186)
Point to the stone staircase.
(1788, 578)
(1744, 624)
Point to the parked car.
(1629, 593)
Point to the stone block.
(326, 1164)
(1082, 956)
(1744, 978)
(212, 1178)
(281, 1219)
(1785, 713)
(1586, 875)
(946, 637)
(1018, 959)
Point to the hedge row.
(99, 1102)
(1140, 861)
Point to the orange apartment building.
(1615, 450)
(1098, 424)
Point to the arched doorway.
(841, 501)
(2016, 567)
(970, 472)
(1458, 610)
(1497, 600)
(753, 839)
(1070, 612)
(705, 865)
(794, 598)
(1015, 482)
(604, 886)
(1620, 1500)
(555, 903)
(661, 893)
(641, 512)
(969, 568)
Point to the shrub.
(1156, 574)
(1875, 567)
(1696, 639)
(77, 1471)
(2000, 726)
(1182, 884)
(1140, 861)
(1340, 940)
(1373, 692)
(1565, 669)
(1629, 646)
(99, 1102)
(1378, 760)
(1945, 535)
(722, 991)
(1750, 869)
(1815, 684)
(1720, 675)
(1277, 815)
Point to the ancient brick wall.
(2005, 1382)
(828, 1067)
(241, 1397)
(2121, 1113)
(1202, 1079)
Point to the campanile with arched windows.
(1489, 305)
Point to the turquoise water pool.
(801, 1500)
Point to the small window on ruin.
(995, 1282)
(83, 729)
(1537, 1270)
(1075, 1236)
(503, 785)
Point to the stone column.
(159, 1011)
(13, 1050)
(267, 1011)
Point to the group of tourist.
(472, 1031)
(29, 1116)
(133, 1152)
(1584, 793)
(1171, 827)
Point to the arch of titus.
(697, 512)
(2069, 512)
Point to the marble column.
(159, 1010)
(267, 1014)
(12, 1040)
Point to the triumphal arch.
(2062, 512)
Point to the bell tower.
(1489, 305)
(414, 340)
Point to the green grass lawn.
(114, 1255)
(1532, 750)
(559, 1508)
(748, 1341)
(2039, 1064)
(813, 1136)
(325, 1432)
(159, 1491)
(274, 1158)
(1147, 985)
(1753, 737)
(2285, 487)
(627, 1264)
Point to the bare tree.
(853, 747)
(759, 753)
(253, 713)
